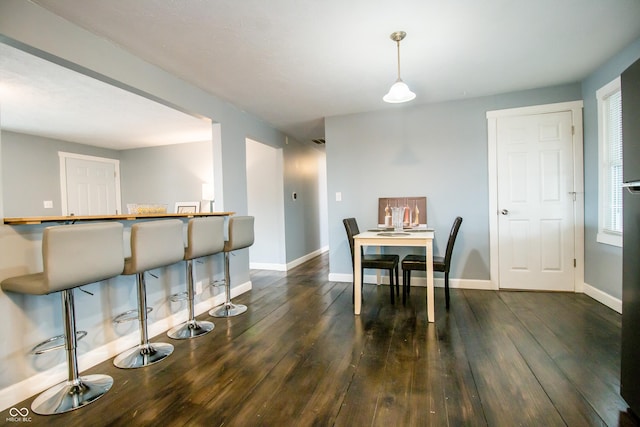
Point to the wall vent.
(319, 141)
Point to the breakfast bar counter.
(122, 217)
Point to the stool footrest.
(46, 346)
(180, 296)
(128, 316)
(217, 283)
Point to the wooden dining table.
(418, 237)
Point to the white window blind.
(610, 173)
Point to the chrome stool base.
(228, 310)
(70, 395)
(190, 329)
(143, 355)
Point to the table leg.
(430, 303)
(378, 271)
(357, 278)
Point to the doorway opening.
(265, 201)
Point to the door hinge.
(575, 263)
(573, 130)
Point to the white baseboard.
(288, 266)
(603, 298)
(339, 277)
(421, 281)
(37, 383)
(438, 282)
(267, 266)
(348, 278)
(307, 257)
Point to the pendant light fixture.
(399, 92)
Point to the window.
(610, 164)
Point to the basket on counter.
(147, 208)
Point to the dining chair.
(440, 264)
(372, 261)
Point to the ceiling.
(294, 62)
(42, 98)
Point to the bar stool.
(154, 244)
(240, 236)
(73, 255)
(205, 236)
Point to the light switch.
(48, 204)
(338, 196)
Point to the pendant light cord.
(398, 43)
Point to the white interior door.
(90, 185)
(536, 201)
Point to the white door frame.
(63, 177)
(575, 107)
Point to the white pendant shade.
(399, 93)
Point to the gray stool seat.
(241, 235)
(73, 255)
(154, 244)
(205, 236)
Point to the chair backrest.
(205, 236)
(241, 233)
(155, 244)
(452, 240)
(79, 254)
(351, 227)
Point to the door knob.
(504, 211)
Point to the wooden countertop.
(123, 217)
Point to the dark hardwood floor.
(300, 357)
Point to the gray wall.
(31, 172)
(302, 172)
(166, 174)
(302, 166)
(603, 263)
(266, 203)
(438, 151)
